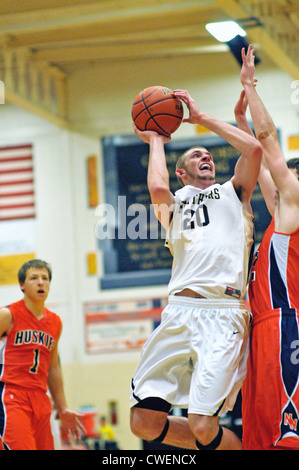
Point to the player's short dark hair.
(33, 263)
(294, 163)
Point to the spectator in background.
(107, 434)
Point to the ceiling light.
(231, 33)
(225, 31)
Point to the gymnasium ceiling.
(42, 41)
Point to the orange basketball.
(157, 109)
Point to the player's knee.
(148, 426)
(204, 430)
(137, 425)
(201, 433)
(213, 444)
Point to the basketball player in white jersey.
(196, 358)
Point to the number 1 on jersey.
(34, 368)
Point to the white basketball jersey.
(210, 238)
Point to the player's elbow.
(158, 192)
(257, 150)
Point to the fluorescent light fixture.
(225, 31)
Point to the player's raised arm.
(285, 180)
(265, 128)
(265, 180)
(157, 175)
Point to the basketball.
(157, 109)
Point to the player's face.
(199, 164)
(37, 284)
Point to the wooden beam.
(127, 51)
(180, 32)
(68, 15)
(7, 6)
(123, 22)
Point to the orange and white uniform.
(25, 357)
(270, 392)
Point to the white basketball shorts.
(196, 358)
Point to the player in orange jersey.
(271, 389)
(29, 366)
